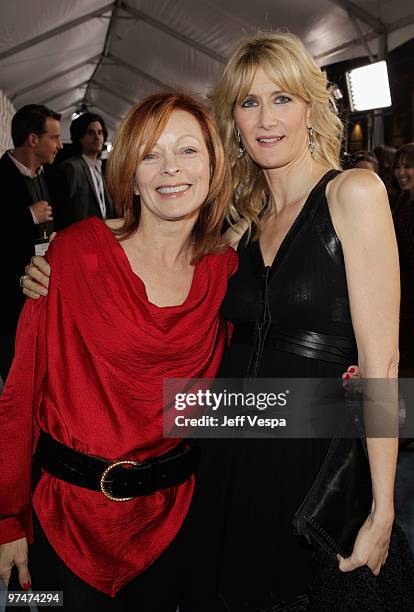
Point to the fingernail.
(27, 586)
(347, 376)
(351, 369)
(43, 291)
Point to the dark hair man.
(25, 209)
(84, 193)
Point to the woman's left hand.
(370, 547)
(352, 372)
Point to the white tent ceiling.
(110, 54)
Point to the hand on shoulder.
(114, 224)
(35, 281)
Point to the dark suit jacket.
(74, 195)
(18, 232)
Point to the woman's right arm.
(35, 283)
(18, 434)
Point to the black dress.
(404, 228)
(291, 319)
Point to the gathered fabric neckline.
(126, 265)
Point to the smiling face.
(272, 123)
(174, 176)
(404, 173)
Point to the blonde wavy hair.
(137, 134)
(286, 61)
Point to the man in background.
(26, 210)
(80, 188)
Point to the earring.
(311, 142)
(240, 150)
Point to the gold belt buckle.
(104, 480)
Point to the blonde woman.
(317, 287)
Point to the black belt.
(336, 349)
(119, 480)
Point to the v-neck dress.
(290, 319)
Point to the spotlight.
(368, 87)
(337, 92)
(82, 109)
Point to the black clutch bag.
(341, 497)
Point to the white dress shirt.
(95, 168)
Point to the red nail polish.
(351, 369)
(347, 376)
(27, 586)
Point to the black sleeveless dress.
(291, 319)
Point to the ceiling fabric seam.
(346, 45)
(375, 24)
(391, 27)
(58, 75)
(55, 31)
(114, 93)
(140, 15)
(360, 34)
(62, 93)
(138, 71)
(105, 50)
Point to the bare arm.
(362, 219)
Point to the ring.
(23, 278)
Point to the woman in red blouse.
(131, 302)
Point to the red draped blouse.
(89, 367)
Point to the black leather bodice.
(301, 301)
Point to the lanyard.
(37, 184)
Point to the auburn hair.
(137, 135)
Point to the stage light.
(337, 92)
(80, 111)
(368, 87)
